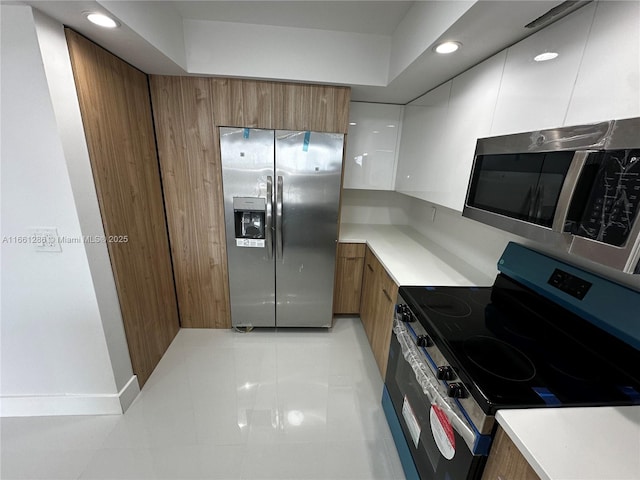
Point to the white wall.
(423, 24)
(301, 54)
(374, 207)
(159, 23)
(55, 355)
(482, 245)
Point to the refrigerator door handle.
(279, 232)
(268, 231)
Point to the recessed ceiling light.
(447, 47)
(543, 57)
(352, 123)
(101, 19)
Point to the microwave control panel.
(613, 196)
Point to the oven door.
(438, 451)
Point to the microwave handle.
(568, 189)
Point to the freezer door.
(308, 174)
(247, 173)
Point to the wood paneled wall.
(188, 112)
(116, 113)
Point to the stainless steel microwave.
(576, 187)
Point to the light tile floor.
(272, 404)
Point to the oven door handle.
(429, 384)
(568, 189)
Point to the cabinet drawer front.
(351, 250)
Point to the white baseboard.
(77, 404)
(129, 393)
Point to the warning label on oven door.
(442, 432)
(411, 421)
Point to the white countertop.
(590, 443)
(411, 259)
(598, 443)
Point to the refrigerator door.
(308, 175)
(247, 174)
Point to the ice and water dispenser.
(249, 219)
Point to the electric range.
(546, 334)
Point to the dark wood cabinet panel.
(348, 285)
(379, 293)
(190, 164)
(505, 461)
(227, 101)
(257, 102)
(116, 114)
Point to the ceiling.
(377, 17)
(157, 37)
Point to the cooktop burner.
(447, 305)
(498, 358)
(513, 348)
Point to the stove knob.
(445, 372)
(423, 341)
(456, 390)
(403, 313)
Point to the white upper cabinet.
(589, 81)
(608, 84)
(535, 95)
(372, 145)
(439, 134)
(471, 108)
(421, 144)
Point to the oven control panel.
(568, 283)
(445, 375)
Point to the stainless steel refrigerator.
(281, 200)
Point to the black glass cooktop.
(513, 348)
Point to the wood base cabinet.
(505, 461)
(348, 284)
(377, 305)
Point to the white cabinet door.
(440, 131)
(608, 84)
(471, 107)
(421, 143)
(535, 95)
(372, 140)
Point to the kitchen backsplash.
(477, 244)
(374, 207)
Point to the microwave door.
(608, 229)
(526, 194)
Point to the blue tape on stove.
(630, 392)
(546, 396)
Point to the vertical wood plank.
(296, 107)
(228, 102)
(116, 113)
(257, 104)
(190, 164)
(340, 111)
(277, 112)
(321, 111)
